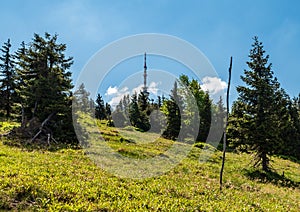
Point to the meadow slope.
(68, 180)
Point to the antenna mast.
(145, 75)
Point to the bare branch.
(224, 133)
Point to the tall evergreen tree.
(282, 118)
(257, 108)
(21, 62)
(100, 112)
(173, 114)
(144, 108)
(46, 82)
(237, 127)
(7, 79)
(205, 114)
(126, 102)
(291, 133)
(108, 114)
(143, 101)
(44, 71)
(138, 117)
(108, 110)
(134, 112)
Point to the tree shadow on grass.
(271, 177)
(291, 158)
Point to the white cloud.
(124, 90)
(213, 85)
(117, 94)
(117, 98)
(111, 91)
(153, 88)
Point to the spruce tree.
(21, 63)
(108, 114)
(134, 112)
(46, 83)
(173, 114)
(143, 101)
(126, 102)
(7, 79)
(282, 118)
(291, 133)
(237, 127)
(144, 111)
(44, 71)
(257, 109)
(205, 114)
(100, 112)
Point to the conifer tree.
(7, 79)
(256, 111)
(205, 114)
(143, 101)
(46, 83)
(291, 133)
(21, 63)
(108, 111)
(44, 71)
(134, 112)
(144, 111)
(173, 114)
(126, 102)
(100, 112)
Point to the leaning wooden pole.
(224, 133)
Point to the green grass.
(67, 180)
(6, 126)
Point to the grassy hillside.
(66, 179)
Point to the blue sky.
(220, 29)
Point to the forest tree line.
(188, 108)
(37, 91)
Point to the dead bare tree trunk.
(224, 133)
(42, 126)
